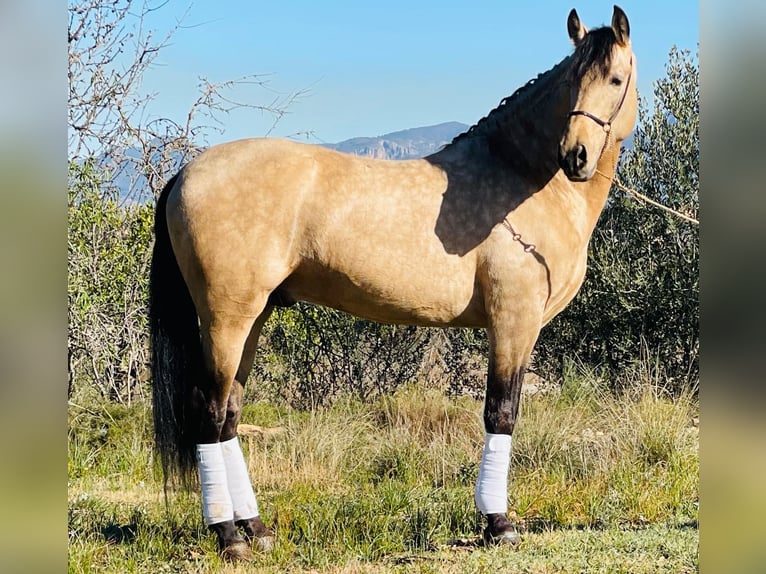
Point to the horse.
(491, 232)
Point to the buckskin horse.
(489, 232)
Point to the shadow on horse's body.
(491, 232)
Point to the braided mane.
(507, 104)
(595, 49)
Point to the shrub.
(108, 254)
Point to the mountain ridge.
(403, 144)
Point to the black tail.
(176, 352)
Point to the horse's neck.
(522, 133)
(521, 137)
(529, 136)
(528, 132)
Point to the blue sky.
(371, 68)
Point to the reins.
(528, 247)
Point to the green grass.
(599, 484)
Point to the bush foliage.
(108, 249)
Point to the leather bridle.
(607, 125)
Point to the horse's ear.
(621, 26)
(575, 28)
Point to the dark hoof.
(507, 538)
(232, 546)
(257, 533)
(237, 552)
(500, 531)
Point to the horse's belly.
(392, 296)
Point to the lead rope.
(645, 199)
(528, 247)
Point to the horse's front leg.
(507, 363)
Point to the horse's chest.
(565, 286)
(539, 271)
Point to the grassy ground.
(599, 484)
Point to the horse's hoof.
(237, 552)
(264, 544)
(500, 531)
(257, 533)
(506, 538)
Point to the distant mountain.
(406, 144)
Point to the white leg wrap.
(216, 502)
(491, 493)
(240, 487)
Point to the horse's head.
(603, 97)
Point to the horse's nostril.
(582, 156)
(573, 160)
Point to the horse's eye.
(615, 81)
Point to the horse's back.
(354, 233)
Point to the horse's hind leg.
(245, 505)
(223, 341)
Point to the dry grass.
(383, 487)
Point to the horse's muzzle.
(574, 162)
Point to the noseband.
(607, 124)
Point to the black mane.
(594, 50)
(502, 106)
